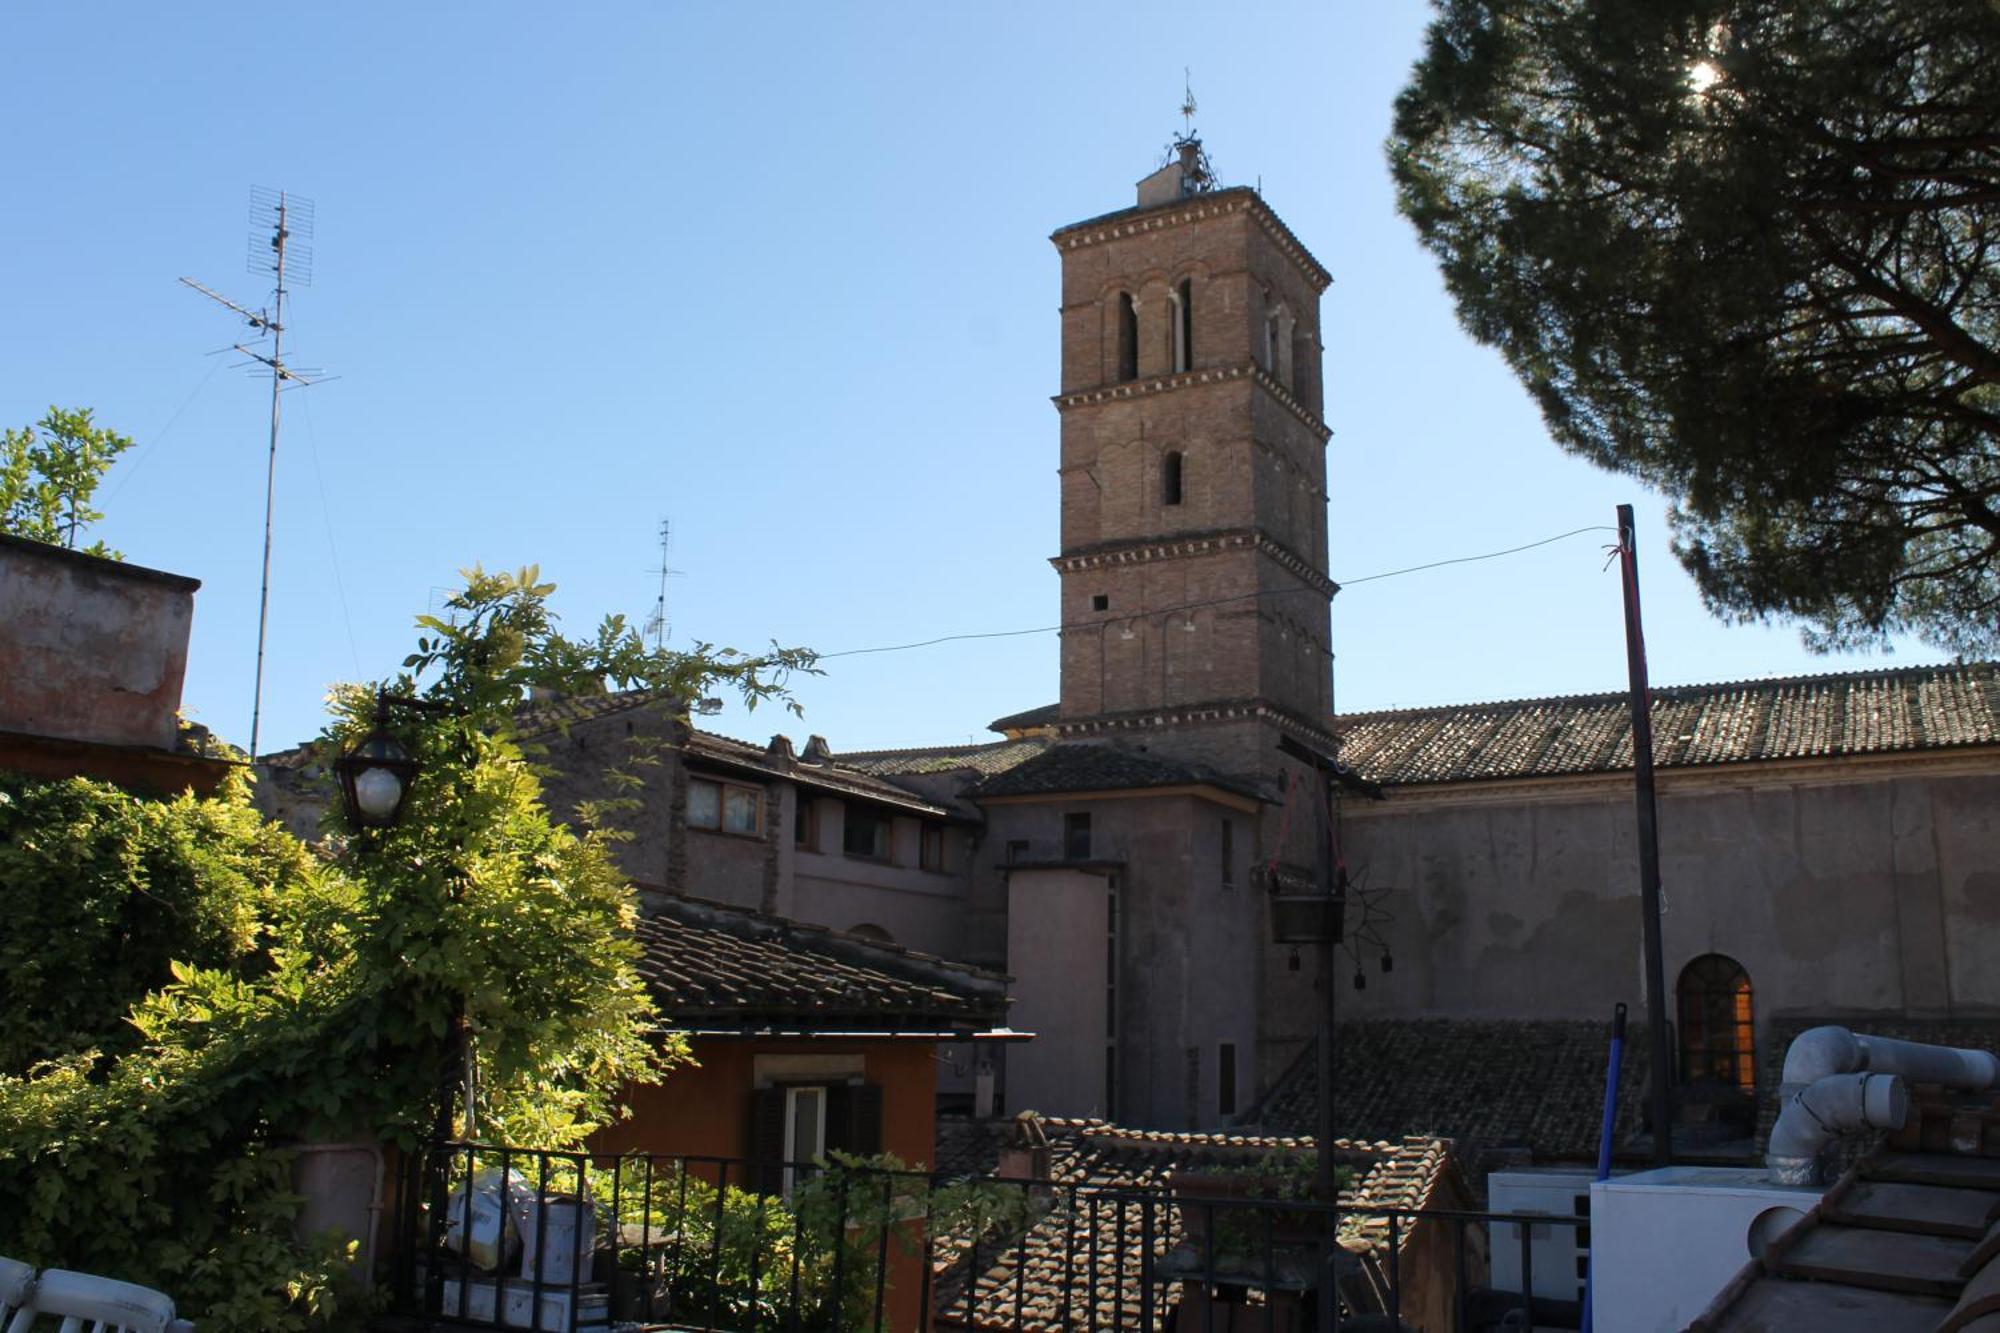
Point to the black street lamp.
(375, 775)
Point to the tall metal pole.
(1649, 843)
(277, 325)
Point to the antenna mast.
(288, 221)
(659, 627)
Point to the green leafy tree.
(109, 890)
(340, 1001)
(48, 473)
(1750, 254)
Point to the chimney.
(1025, 1155)
(780, 749)
(816, 751)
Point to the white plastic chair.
(17, 1288)
(101, 1304)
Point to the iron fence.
(577, 1242)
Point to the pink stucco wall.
(90, 650)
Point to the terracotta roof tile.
(1112, 1202)
(987, 760)
(1805, 717)
(1486, 1085)
(1075, 766)
(714, 968)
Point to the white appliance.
(1556, 1252)
(1666, 1242)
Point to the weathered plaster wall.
(1188, 954)
(1869, 888)
(1056, 935)
(94, 650)
(917, 908)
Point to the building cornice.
(1204, 790)
(1197, 208)
(1152, 384)
(1141, 551)
(1197, 714)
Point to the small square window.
(930, 852)
(1076, 836)
(805, 823)
(740, 809)
(725, 806)
(704, 804)
(865, 833)
(1100, 601)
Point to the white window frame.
(794, 1097)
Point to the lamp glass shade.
(377, 793)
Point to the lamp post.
(376, 775)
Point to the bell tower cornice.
(1144, 388)
(1214, 204)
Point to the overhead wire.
(146, 449)
(1213, 601)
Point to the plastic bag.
(491, 1219)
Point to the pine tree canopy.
(1750, 254)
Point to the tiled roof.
(1112, 1197)
(719, 969)
(1076, 766)
(1030, 720)
(1905, 1239)
(539, 720)
(1802, 717)
(839, 777)
(1487, 1085)
(986, 760)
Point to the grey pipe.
(1810, 1118)
(1818, 1052)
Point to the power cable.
(1214, 601)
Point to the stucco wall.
(1871, 887)
(1056, 931)
(1188, 955)
(94, 650)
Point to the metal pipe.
(1819, 1052)
(1816, 1114)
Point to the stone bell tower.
(1194, 587)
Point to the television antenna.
(281, 224)
(659, 628)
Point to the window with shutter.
(854, 1118)
(767, 1140)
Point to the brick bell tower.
(1195, 597)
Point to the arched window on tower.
(1128, 337)
(1180, 310)
(1170, 478)
(1717, 1024)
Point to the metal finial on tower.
(1197, 172)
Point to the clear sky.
(779, 273)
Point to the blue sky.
(779, 273)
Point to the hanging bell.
(1360, 980)
(1388, 963)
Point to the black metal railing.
(570, 1242)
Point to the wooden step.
(1773, 1303)
(1935, 1210)
(1930, 1168)
(1872, 1257)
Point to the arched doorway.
(1718, 1030)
